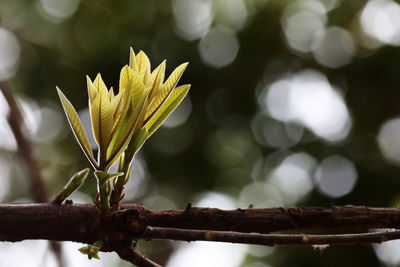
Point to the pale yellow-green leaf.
(111, 94)
(76, 126)
(132, 60)
(126, 126)
(141, 115)
(156, 79)
(138, 93)
(143, 63)
(159, 79)
(164, 90)
(92, 90)
(136, 85)
(131, 80)
(139, 109)
(117, 134)
(117, 103)
(125, 76)
(147, 75)
(94, 108)
(126, 83)
(107, 121)
(147, 90)
(114, 155)
(100, 85)
(123, 136)
(138, 140)
(173, 79)
(102, 120)
(166, 108)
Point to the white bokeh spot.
(389, 141)
(336, 176)
(380, 19)
(193, 18)
(309, 99)
(219, 47)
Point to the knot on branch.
(119, 228)
(294, 211)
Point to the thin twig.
(25, 151)
(268, 239)
(130, 254)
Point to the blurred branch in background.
(25, 151)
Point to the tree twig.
(71, 222)
(274, 219)
(118, 228)
(268, 239)
(130, 254)
(79, 222)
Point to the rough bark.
(84, 223)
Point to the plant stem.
(125, 167)
(104, 188)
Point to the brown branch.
(118, 228)
(152, 233)
(47, 221)
(84, 222)
(134, 257)
(274, 219)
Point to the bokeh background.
(292, 103)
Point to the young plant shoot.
(122, 122)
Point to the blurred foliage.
(237, 50)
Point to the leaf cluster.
(122, 122)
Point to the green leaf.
(92, 91)
(117, 104)
(173, 79)
(73, 184)
(143, 63)
(76, 127)
(134, 93)
(137, 141)
(166, 108)
(102, 116)
(92, 250)
(100, 85)
(122, 138)
(132, 60)
(156, 79)
(141, 114)
(159, 95)
(105, 176)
